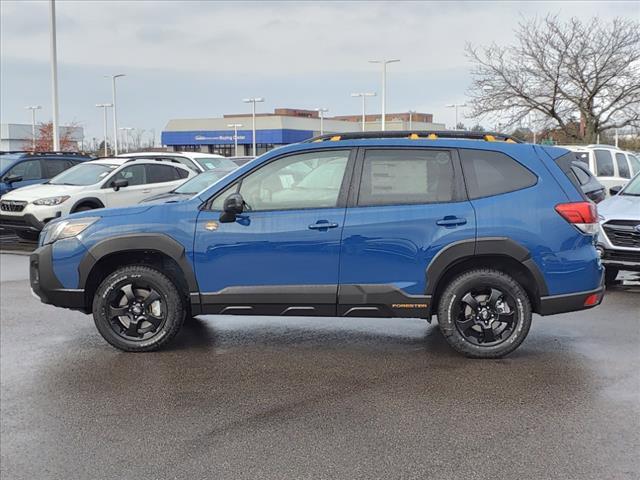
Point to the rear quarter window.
(604, 163)
(488, 173)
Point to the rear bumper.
(46, 285)
(571, 302)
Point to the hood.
(111, 212)
(620, 207)
(34, 192)
(168, 197)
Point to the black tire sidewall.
(166, 289)
(483, 278)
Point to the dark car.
(589, 184)
(20, 169)
(579, 174)
(191, 187)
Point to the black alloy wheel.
(485, 316)
(136, 311)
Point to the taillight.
(583, 215)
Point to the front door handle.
(451, 221)
(322, 225)
(146, 191)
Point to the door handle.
(322, 225)
(451, 221)
(146, 191)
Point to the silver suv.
(619, 236)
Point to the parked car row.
(106, 182)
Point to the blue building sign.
(225, 137)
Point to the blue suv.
(477, 229)
(20, 169)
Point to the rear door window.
(489, 173)
(161, 173)
(402, 177)
(55, 167)
(623, 166)
(604, 163)
(635, 164)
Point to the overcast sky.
(199, 59)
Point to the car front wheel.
(484, 313)
(138, 309)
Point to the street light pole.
(235, 127)
(411, 112)
(253, 102)
(321, 111)
(115, 111)
(384, 87)
(33, 109)
(364, 96)
(54, 76)
(456, 105)
(104, 107)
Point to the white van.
(609, 164)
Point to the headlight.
(51, 200)
(66, 229)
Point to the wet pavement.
(269, 398)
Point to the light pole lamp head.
(33, 107)
(253, 100)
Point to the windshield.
(633, 187)
(200, 182)
(84, 174)
(213, 163)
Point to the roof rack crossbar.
(416, 134)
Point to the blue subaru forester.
(477, 229)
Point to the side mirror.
(615, 190)
(233, 205)
(12, 179)
(119, 183)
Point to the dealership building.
(282, 127)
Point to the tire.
(610, 275)
(28, 236)
(128, 294)
(498, 323)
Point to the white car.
(108, 182)
(610, 165)
(196, 161)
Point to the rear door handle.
(451, 221)
(322, 225)
(146, 191)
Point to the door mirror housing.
(119, 183)
(615, 190)
(12, 179)
(233, 205)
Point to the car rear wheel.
(484, 313)
(138, 309)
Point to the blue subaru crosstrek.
(479, 230)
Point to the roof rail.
(149, 158)
(416, 135)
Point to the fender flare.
(150, 242)
(94, 200)
(464, 249)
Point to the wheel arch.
(93, 201)
(157, 250)
(501, 254)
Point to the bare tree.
(584, 77)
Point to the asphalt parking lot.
(317, 398)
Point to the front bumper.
(46, 285)
(21, 223)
